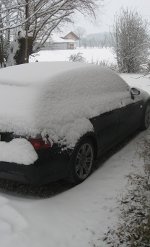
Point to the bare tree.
(38, 18)
(131, 41)
(47, 15)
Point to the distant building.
(68, 42)
(72, 36)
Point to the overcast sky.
(105, 15)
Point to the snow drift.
(18, 151)
(57, 98)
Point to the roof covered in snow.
(56, 39)
(41, 73)
(36, 73)
(71, 34)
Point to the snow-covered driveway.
(74, 218)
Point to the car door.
(130, 116)
(106, 129)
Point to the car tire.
(146, 118)
(82, 160)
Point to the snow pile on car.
(57, 98)
(18, 151)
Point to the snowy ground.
(91, 55)
(76, 217)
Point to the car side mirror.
(134, 92)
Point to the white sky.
(105, 15)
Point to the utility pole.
(26, 31)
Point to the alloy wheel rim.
(84, 161)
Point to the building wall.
(59, 46)
(71, 46)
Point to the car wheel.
(146, 119)
(82, 161)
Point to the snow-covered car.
(56, 118)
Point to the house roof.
(71, 33)
(56, 39)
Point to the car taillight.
(40, 144)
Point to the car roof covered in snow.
(35, 73)
(41, 73)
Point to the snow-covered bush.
(145, 68)
(131, 41)
(77, 58)
(133, 229)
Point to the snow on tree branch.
(38, 18)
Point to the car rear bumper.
(19, 173)
(46, 169)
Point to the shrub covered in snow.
(133, 229)
(77, 57)
(132, 42)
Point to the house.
(68, 42)
(72, 36)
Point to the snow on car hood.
(57, 98)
